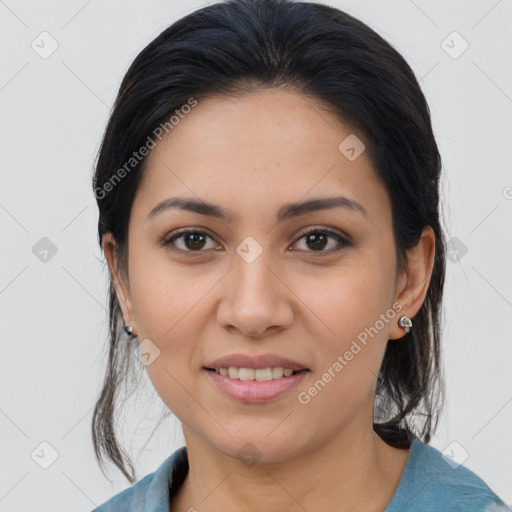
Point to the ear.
(413, 283)
(119, 279)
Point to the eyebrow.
(286, 212)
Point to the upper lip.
(261, 361)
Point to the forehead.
(261, 148)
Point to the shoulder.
(130, 499)
(151, 492)
(434, 481)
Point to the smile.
(243, 383)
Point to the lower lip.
(253, 390)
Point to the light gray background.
(53, 321)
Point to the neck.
(354, 470)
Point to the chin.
(261, 449)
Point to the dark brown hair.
(239, 46)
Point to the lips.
(253, 391)
(261, 361)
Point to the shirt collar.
(171, 474)
(167, 480)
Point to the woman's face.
(253, 283)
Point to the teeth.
(259, 374)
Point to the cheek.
(345, 300)
(164, 293)
(350, 355)
(165, 306)
(352, 314)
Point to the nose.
(255, 298)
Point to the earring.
(406, 322)
(128, 329)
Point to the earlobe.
(118, 278)
(414, 282)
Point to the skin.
(253, 154)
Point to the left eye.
(317, 238)
(194, 241)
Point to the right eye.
(193, 240)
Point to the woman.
(269, 211)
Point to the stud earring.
(128, 329)
(406, 322)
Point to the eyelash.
(340, 239)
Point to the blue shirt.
(430, 483)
